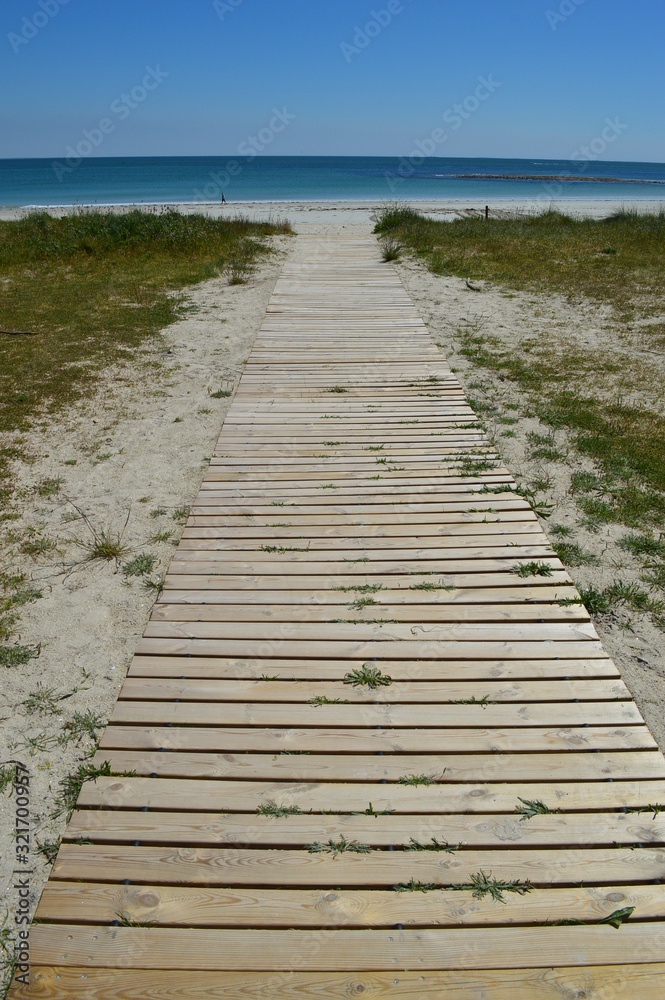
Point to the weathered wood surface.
(265, 817)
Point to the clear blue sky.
(229, 67)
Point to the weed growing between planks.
(367, 676)
(482, 884)
(271, 808)
(533, 807)
(434, 845)
(336, 847)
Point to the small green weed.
(483, 702)
(49, 487)
(571, 554)
(272, 809)
(8, 776)
(413, 886)
(336, 847)
(416, 779)
(160, 536)
(17, 655)
(71, 786)
(37, 546)
(323, 700)
(533, 807)
(532, 568)
(367, 676)
(653, 809)
(434, 845)
(140, 565)
(483, 884)
(615, 919)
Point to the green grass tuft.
(416, 779)
(271, 808)
(366, 676)
(90, 288)
(482, 884)
(336, 847)
(533, 807)
(434, 845)
(140, 565)
(414, 886)
(532, 568)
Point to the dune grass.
(80, 292)
(619, 263)
(619, 260)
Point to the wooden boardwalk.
(354, 523)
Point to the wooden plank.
(492, 524)
(370, 649)
(98, 903)
(329, 669)
(446, 768)
(390, 632)
(475, 716)
(375, 610)
(480, 830)
(240, 795)
(362, 950)
(486, 585)
(289, 738)
(639, 982)
(385, 562)
(411, 692)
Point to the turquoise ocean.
(175, 179)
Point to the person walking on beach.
(223, 199)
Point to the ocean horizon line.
(96, 180)
(327, 156)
